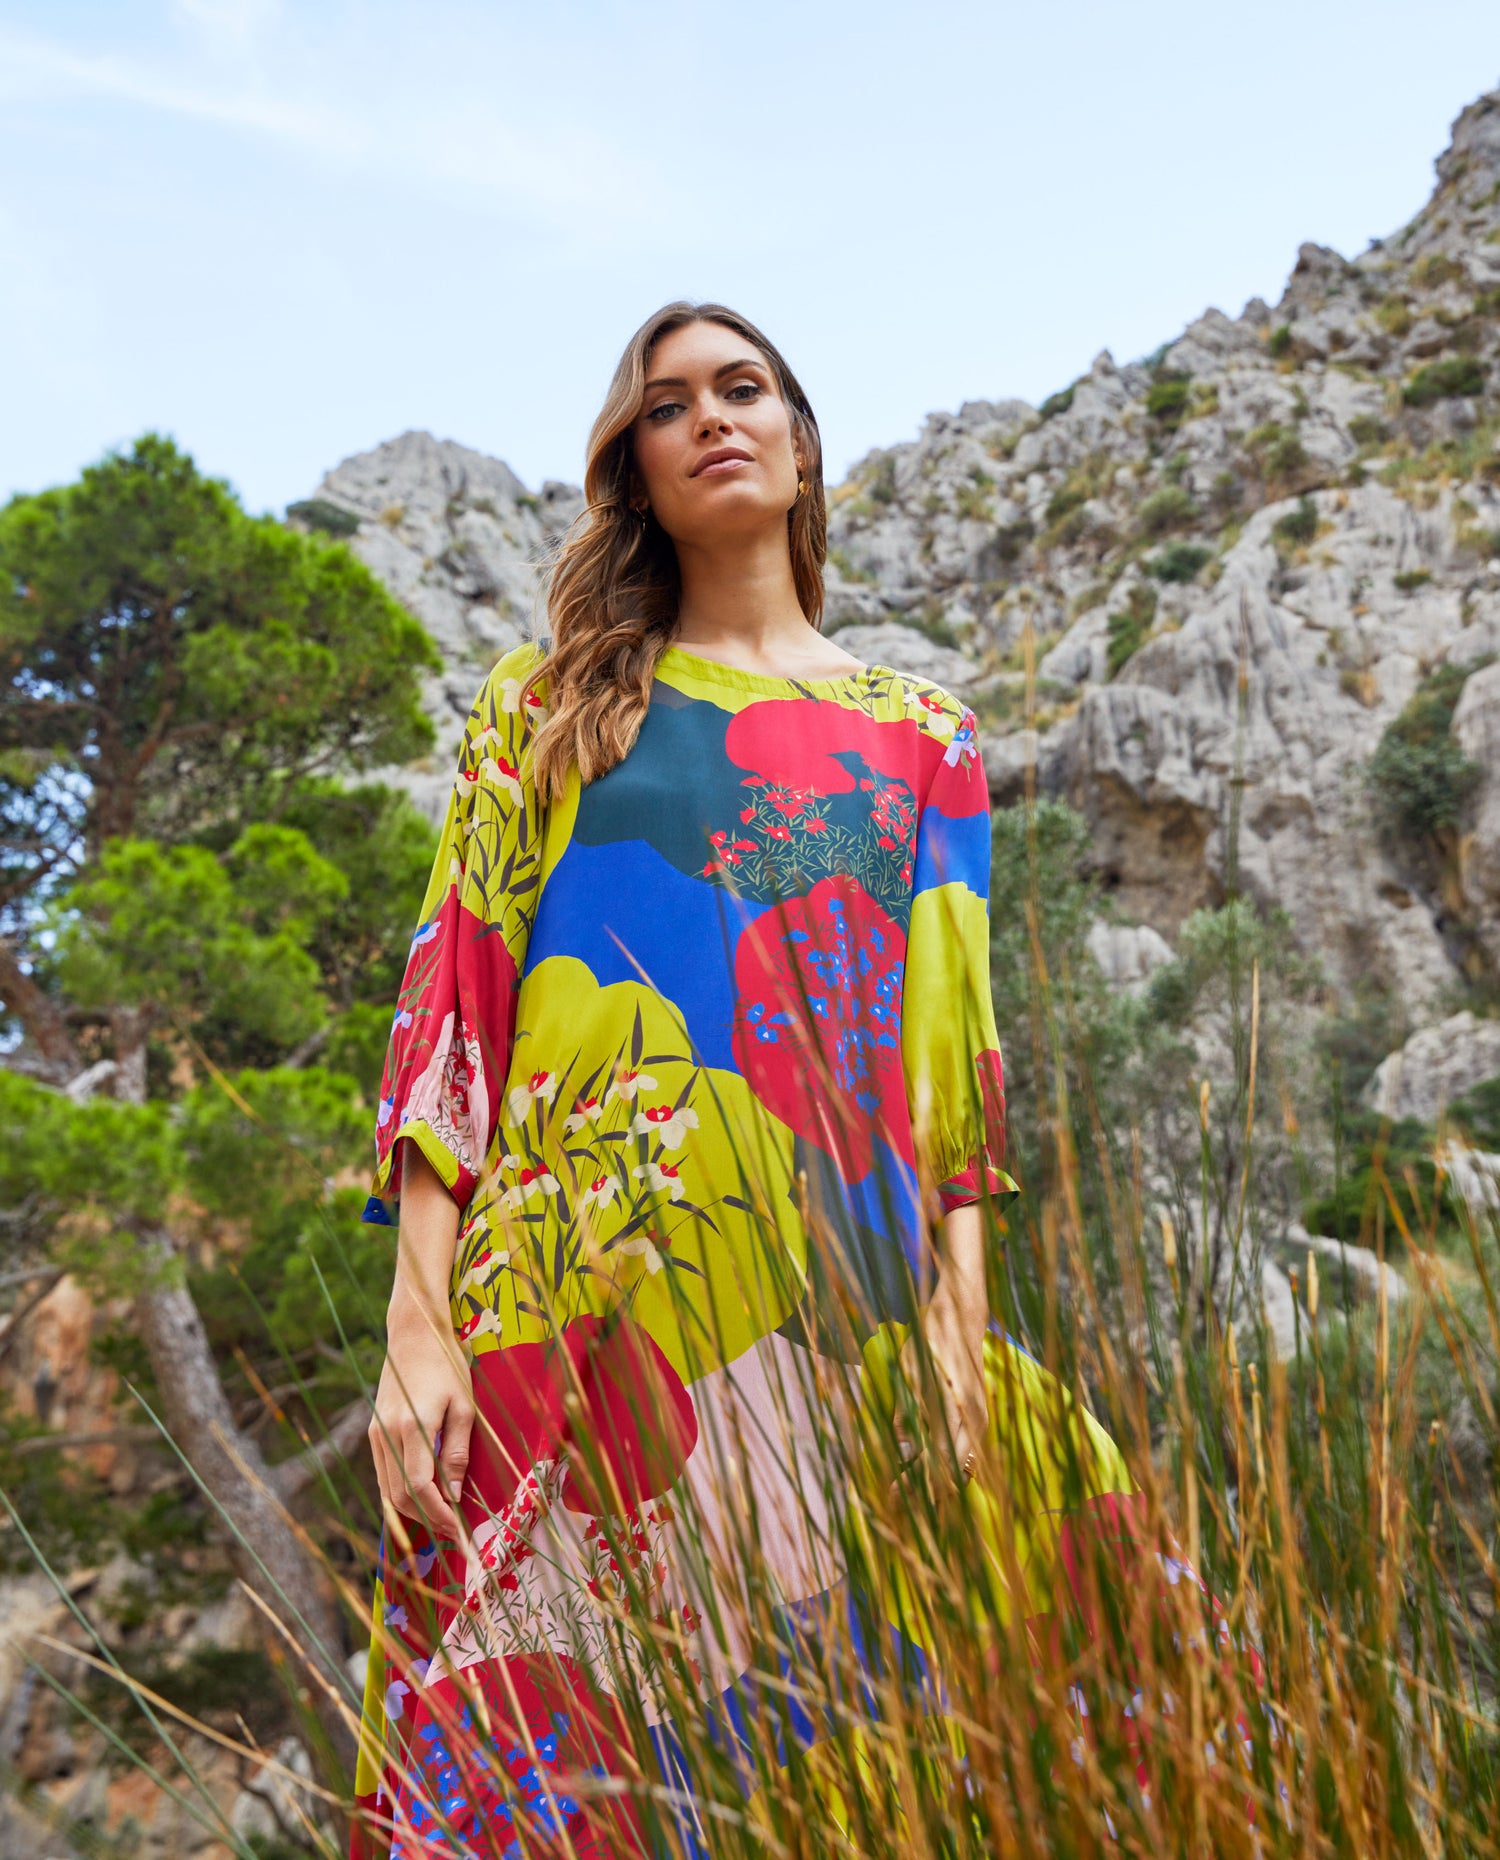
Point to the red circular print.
(817, 1028)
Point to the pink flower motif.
(777, 833)
(747, 814)
(815, 823)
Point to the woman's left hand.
(953, 1330)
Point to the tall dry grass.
(1328, 1688)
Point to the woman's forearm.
(961, 1277)
(425, 1247)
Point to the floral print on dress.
(633, 1027)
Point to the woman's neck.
(739, 601)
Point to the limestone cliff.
(1308, 495)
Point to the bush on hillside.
(1455, 375)
(1167, 399)
(1168, 509)
(1419, 775)
(1179, 561)
(1298, 527)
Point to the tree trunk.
(130, 1027)
(43, 1021)
(270, 1559)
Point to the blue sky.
(283, 230)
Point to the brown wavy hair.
(614, 590)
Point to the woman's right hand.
(425, 1398)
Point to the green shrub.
(1056, 403)
(1347, 1209)
(1411, 579)
(1167, 399)
(1394, 316)
(1297, 527)
(880, 480)
(1419, 775)
(1286, 456)
(1280, 342)
(1478, 1112)
(1063, 502)
(1366, 430)
(1445, 380)
(1180, 561)
(1435, 270)
(1127, 631)
(1170, 508)
(316, 513)
(1226, 494)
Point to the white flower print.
(645, 1246)
(627, 1083)
(600, 1192)
(502, 775)
(485, 1323)
(512, 701)
(932, 711)
(541, 1085)
(660, 1178)
(530, 1183)
(663, 1121)
(585, 1111)
(482, 1271)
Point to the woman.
(693, 1098)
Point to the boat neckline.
(760, 681)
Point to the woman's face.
(713, 439)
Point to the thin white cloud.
(236, 22)
(34, 71)
(569, 178)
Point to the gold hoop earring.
(802, 487)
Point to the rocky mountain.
(1232, 567)
(459, 540)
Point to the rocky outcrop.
(1307, 496)
(1476, 725)
(1436, 1066)
(1229, 565)
(460, 541)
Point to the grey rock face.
(1284, 498)
(1476, 724)
(904, 649)
(1232, 566)
(460, 541)
(1436, 1066)
(1128, 955)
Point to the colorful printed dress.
(658, 1038)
